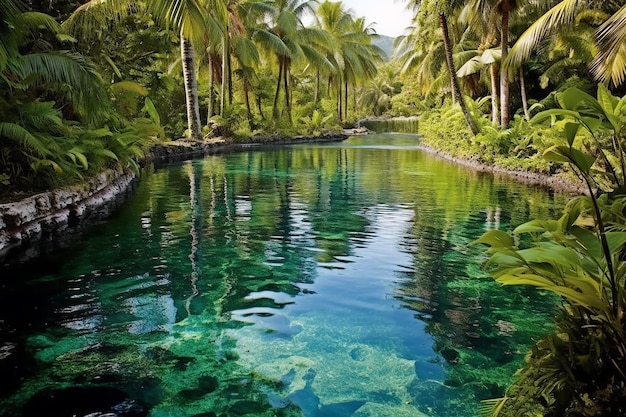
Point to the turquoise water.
(319, 280)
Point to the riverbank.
(530, 178)
(42, 222)
(45, 221)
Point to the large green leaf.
(608, 103)
(534, 226)
(588, 240)
(616, 242)
(574, 99)
(564, 154)
(548, 114)
(573, 296)
(570, 130)
(496, 239)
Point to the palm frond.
(609, 66)
(22, 137)
(561, 14)
(10, 16)
(491, 407)
(62, 70)
(88, 19)
(246, 51)
(271, 41)
(32, 20)
(472, 66)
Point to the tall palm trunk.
(456, 90)
(191, 88)
(224, 72)
(287, 90)
(229, 72)
(504, 7)
(495, 104)
(278, 83)
(210, 109)
(345, 98)
(259, 106)
(339, 100)
(316, 97)
(246, 97)
(522, 86)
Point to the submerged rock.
(83, 402)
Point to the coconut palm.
(349, 50)
(504, 9)
(188, 17)
(479, 17)
(608, 65)
(361, 56)
(455, 83)
(286, 25)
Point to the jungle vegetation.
(531, 85)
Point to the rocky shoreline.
(525, 177)
(49, 220)
(46, 221)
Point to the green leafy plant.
(579, 368)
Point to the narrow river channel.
(317, 280)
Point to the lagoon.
(333, 279)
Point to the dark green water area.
(320, 280)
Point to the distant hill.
(386, 44)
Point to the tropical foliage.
(56, 117)
(542, 61)
(98, 78)
(578, 370)
(84, 87)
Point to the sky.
(390, 16)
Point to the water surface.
(317, 280)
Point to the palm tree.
(455, 83)
(361, 56)
(478, 16)
(287, 26)
(504, 9)
(188, 17)
(377, 93)
(608, 64)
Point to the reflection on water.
(318, 280)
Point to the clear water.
(320, 280)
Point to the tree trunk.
(229, 72)
(246, 93)
(522, 86)
(287, 96)
(210, 109)
(316, 97)
(495, 104)
(280, 79)
(354, 91)
(191, 88)
(345, 98)
(224, 75)
(260, 107)
(339, 100)
(504, 73)
(455, 82)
